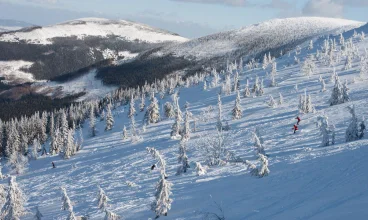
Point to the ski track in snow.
(306, 181)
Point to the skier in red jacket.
(295, 128)
(297, 118)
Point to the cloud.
(325, 8)
(43, 1)
(238, 3)
(280, 4)
(353, 3)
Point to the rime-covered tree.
(125, 133)
(67, 204)
(182, 158)
(162, 203)
(92, 121)
(35, 148)
(160, 160)
(109, 118)
(69, 148)
(186, 128)
(102, 115)
(362, 128)
(352, 132)
(348, 62)
(310, 47)
(143, 102)
(281, 99)
(102, 199)
(308, 67)
(272, 103)
(263, 171)
(323, 85)
(258, 146)
(13, 208)
(265, 62)
(132, 110)
(200, 170)
(219, 116)
(236, 82)
(322, 124)
(345, 92)
(169, 110)
(337, 95)
(246, 92)
(237, 110)
(204, 85)
(176, 127)
(56, 142)
(153, 112)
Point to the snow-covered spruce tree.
(160, 160)
(182, 158)
(237, 110)
(199, 169)
(219, 117)
(186, 128)
(227, 85)
(36, 146)
(153, 112)
(38, 215)
(272, 103)
(43, 135)
(309, 106)
(56, 142)
(143, 102)
(265, 62)
(337, 95)
(125, 133)
(109, 118)
(352, 132)
(246, 92)
(308, 67)
(263, 171)
(323, 85)
(322, 124)
(236, 82)
(132, 110)
(64, 126)
(274, 68)
(69, 148)
(348, 62)
(67, 204)
(169, 110)
(13, 208)
(12, 140)
(258, 146)
(162, 203)
(18, 162)
(2, 176)
(310, 47)
(92, 122)
(102, 199)
(176, 128)
(204, 85)
(261, 88)
(273, 80)
(281, 99)
(111, 216)
(345, 92)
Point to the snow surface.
(87, 83)
(12, 71)
(306, 181)
(273, 33)
(93, 27)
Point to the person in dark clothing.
(153, 166)
(298, 119)
(53, 165)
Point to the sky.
(189, 18)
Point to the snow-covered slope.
(93, 27)
(254, 39)
(306, 181)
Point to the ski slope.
(81, 28)
(306, 181)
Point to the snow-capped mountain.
(271, 35)
(92, 27)
(7, 25)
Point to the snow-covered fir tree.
(132, 110)
(323, 85)
(125, 133)
(176, 127)
(352, 132)
(308, 67)
(246, 92)
(160, 160)
(339, 93)
(102, 199)
(362, 128)
(204, 85)
(109, 118)
(345, 92)
(13, 208)
(263, 171)
(265, 62)
(92, 122)
(310, 47)
(143, 102)
(56, 142)
(237, 110)
(348, 62)
(322, 124)
(182, 158)
(67, 204)
(153, 112)
(162, 203)
(69, 148)
(169, 110)
(236, 81)
(186, 128)
(102, 115)
(258, 146)
(219, 116)
(272, 103)
(281, 99)
(200, 170)
(35, 148)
